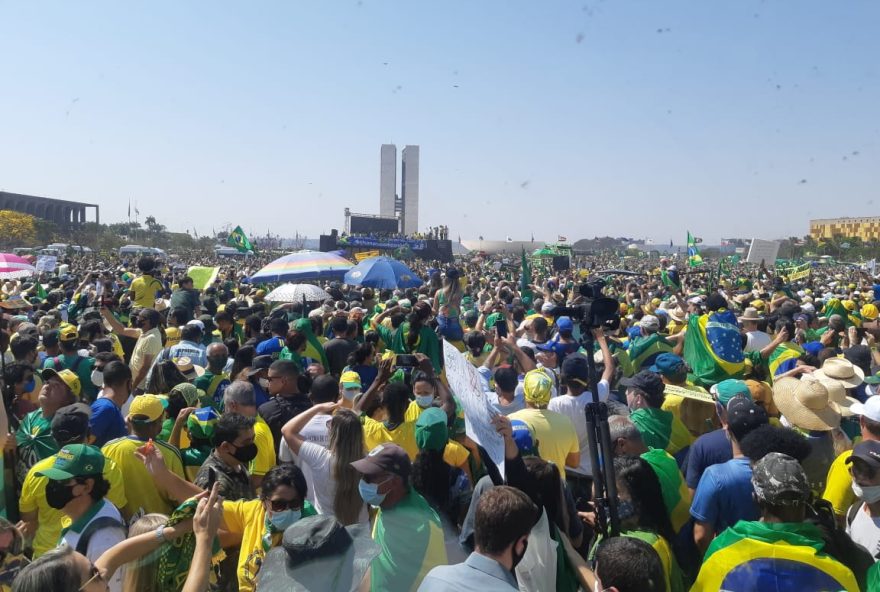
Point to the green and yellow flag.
(694, 258)
(239, 240)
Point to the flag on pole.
(694, 258)
(525, 278)
(238, 240)
(561, 239)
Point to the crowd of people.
(162, 437)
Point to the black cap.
(574, 368)
(743, 416)
(260, 363)
(868, 451)
(647, 381)
(71, 423)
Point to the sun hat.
(842, 371)
(837, 394)
(806, 404)
(189, 392)
(751, 314)
(187, 368)
(317, 553)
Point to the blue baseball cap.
(559, 348)
(564, 324)
(522, 435)
(668, 364)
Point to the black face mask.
(517, 557)
(246, 454)
(58, 494)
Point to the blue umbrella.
(303, 265)
(382, 272)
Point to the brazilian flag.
(713, 348)
(525, 278)
(694, 258)
(771, 556)
(238, 239)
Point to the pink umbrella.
(13, 267)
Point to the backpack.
(57, 362)
(100, 523)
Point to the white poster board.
(46, 263)
(763, 250)
(465, 383)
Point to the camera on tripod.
(596, 310)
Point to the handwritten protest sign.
(478, 412)
(46, 263)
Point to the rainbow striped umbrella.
(13, 267)
(303, 265)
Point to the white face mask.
(264, 383)
(97, 378)
(350, 394)
(869, 493)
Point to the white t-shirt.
(316, 431)
(322, 490)
(573, 408)
(756, 341)
(101, 540)
(865, 530)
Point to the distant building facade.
(62, 212)
(387, 180)
(867, 229)
(409, 194)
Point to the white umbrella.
(297, 293)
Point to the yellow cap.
(537, 387)
(759, 304)
(68, 377)
(849, 305)
(350, 380)
(870, 312)
(152, 407)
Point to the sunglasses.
(281, 505)
(95, 576)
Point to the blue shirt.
(724, 495)
(707, 450)
(270, 347)
(477, 574)
(106, 422)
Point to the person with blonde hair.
(140, 575)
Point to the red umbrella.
(13, 266)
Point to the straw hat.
(751, 314)
(842, 371)
(677, 314)
(837, 394)
(806, 404)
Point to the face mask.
(370, 493)
(264, 383)
(350, 394)
(30, 385)
(97, 378)
(246, 454)
(281, 520)
(625, 509)
(58, 495)
(869, 493)
(424, 401)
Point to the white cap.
(196, 323)
(650, 322)
(870, 408)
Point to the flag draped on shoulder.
(765, 556)
(713, 348)
(694, 258)
(238, 239)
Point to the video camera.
(596, 311)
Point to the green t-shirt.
(35, 442)
(83, 370)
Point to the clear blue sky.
(643, 119)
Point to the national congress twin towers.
(405, 205)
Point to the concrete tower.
(387, 180)
(409, 194)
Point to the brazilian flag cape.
(786, 556)
(644, 350)
(783, 357)
(661, 429)
(676, 496)
(713, 348)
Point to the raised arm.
(118, 327)
(291, 430)
(366, 402)
(607, 357)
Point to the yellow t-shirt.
(247, 518)
(838, 484)
(404, 435)
(140, 488)
(49, 520)
(554, 432)
(265, 458)
(412, 412)
(143, 291)
(455, 455)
